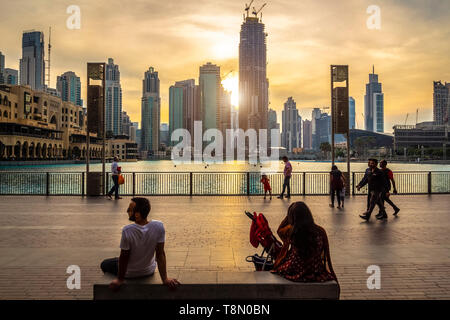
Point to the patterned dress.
(316, 268)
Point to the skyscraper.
(210, 93)
(32, 65)
(291, 135)
(253, 82)
(150, 112)
(126, 124)
(183, 106)
(351, 113)
(374, 104)
(2, 68)
(113, 102)
(307, 134)
(272, 124)
(441, 102)
(69, 87)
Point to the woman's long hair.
(303, 231)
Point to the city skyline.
(408, 59)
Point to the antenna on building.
(417, 116)
(47, 80)
(373, 69)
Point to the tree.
(325, 147)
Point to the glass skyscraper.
(150, 112)
(374, 105)
(32, 65)
(351, 113)
(69, 87)
(113, 101)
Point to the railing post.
(248, 183)
(429, 183)
(190, 184)
(134, 184)
(353, 183)
(304, 183)
(47, 191)
(82, 184)
(106, 182)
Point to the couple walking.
(287, 172)
(379, 182)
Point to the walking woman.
(307, 258)
(336, 185)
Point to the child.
(342, 195)
(265, 182)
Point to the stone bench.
(212, 285)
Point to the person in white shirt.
(115, 177)
(142, 248)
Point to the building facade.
(68, 86)
(113, 99)
(150, 112)
(374, 104)
(2, 68)
(426, 134)
(123, 148)
(35, 125)
(292, 123)
(11, 76)
(32, 64)
(210, 95)
(351, 113)
(253, 82)
(441, 102)
(307, 135)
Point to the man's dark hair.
(374, 160)
(142, 206)
(285, 158)
(383, 162)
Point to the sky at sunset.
(411, 49)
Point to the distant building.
(307, 135)
(351, 113)
(164, 132)
(253, 82)
(441, 102)
(374, 104)
(126, 124)
(113, 101)
(210, 92)
(123, 148)
(2, 68)
(150, 112)
(320, 128)
(272, 124)
(11, 76)
(426, 134)
(291, 121)
(380, 140)
(32, 64)
(69, 87)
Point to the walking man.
(385, 196)
(287, 178)
(376, 181)
(142, 248)
(115, 177)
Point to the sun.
(231, 84)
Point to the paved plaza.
(41, 236)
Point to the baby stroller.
(260, 234)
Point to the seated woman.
(305, 256)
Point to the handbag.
(121, 179)
(261, 263)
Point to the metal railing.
(209, 183)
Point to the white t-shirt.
(142, 241)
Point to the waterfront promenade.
(41, 236)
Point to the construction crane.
(247, 7)
(255, 13)
(417, 116)
(47, 76)
(225, 76)
(406, 120)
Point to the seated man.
(139, 244)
